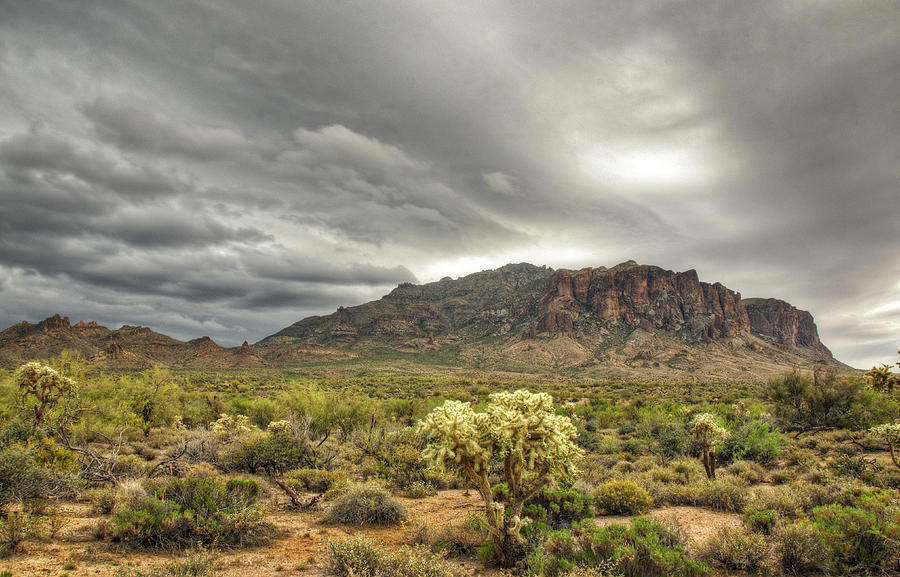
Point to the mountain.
(628, 321)
(127, 347)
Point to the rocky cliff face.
(639, 296)
(781, 323)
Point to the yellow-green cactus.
(890, 434)
(535, 446)
(709, 433)
(41, 388)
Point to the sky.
(226, 168)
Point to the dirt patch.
(298, 549)
(697, 523)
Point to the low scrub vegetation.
(802, 466)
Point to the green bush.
(751, 441)
(420, 490)
(103, 499)
(762, 520)
(366, 504)
(735, 548)
(559, 508)
(359, 557)
(313, 480)
(723, 495)
(184, 512)
(21, 479)
(748, 471)
(800, 550)
(620, 497)
(646, 547)
(859, 540)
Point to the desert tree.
(41, 388)
(709, 434)
(517, 431)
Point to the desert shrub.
(751, 441)
(619, 497)
(16, 527)
(359, 557)
(184, 512)
(418, 562)
(646, 547)
(762, 520)
(103, 499)
(673, 440)
(870, 499)
(859, 540)
(419, 490)
(21, 479)
(366, 504)
(800, 550)
(825, 399)
(735, 548)
(674, 494)
(723, 495)
(313, 480)
(748, 471)
(465, 539)
(559, 508)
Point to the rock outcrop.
(644, 297)
(781, 323)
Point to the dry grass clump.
(366, 504)
(359, 557)
(735, 548)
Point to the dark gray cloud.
(220, 168)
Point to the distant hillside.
(628, 321)
(127, 347)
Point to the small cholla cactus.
(276, 428)
(890, 434)
(537, 448)
(881, 379)
(709, 433)
(228, 427)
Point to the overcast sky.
(225, 168)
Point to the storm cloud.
(222, 168)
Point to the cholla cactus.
(709, 433)
(881, 379)
(229, 427)
(536, 446)
(890, 434)
(41, 388)
(276, 428)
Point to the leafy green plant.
(184, 512)
(620, 497)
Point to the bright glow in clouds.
(669, 167)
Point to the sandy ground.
(299, 546)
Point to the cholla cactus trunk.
(709, 458)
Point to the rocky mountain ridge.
(623, 320)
